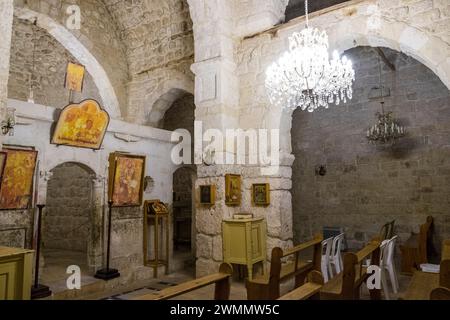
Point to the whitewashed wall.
(34, 128)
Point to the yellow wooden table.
(15, 273)
(244, 242)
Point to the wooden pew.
(310, 290)
(346, 285)
(414, 251)
(268, 287)
(220, 279)
(444, 272)
(425, 286)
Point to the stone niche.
(69, 208)
(365, 185)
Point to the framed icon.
(81, 125)
(74, 77)
(208, 195)
(126, 179)
(16, 189)
(261, 194)
(233, 190)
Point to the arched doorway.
(67, 223)
(184, 216)
(180, 115)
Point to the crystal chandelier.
(387, 129)
(305, 77)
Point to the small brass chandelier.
(387, 129)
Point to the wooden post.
(375, 294)
(155, 269)
(222, 288)
(39, 291)
(167, 244)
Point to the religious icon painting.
(207, 195)
(126, 179)
(16, 189)
(261, 194)
(81, 125)
(75, 77)
(233, 190)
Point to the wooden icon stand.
(39, 291)
(108, 273)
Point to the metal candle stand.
(108, 273)
(39, 291)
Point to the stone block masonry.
(69, 211)
(367, 185)
(37, 56)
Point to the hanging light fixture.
(387, 129)
(305, 77)
(33, 64)
(9, 121)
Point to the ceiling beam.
(385, 59)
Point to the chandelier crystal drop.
(305, 77)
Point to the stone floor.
(237, 292)
(56, 261)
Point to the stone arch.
(99, 180)
(80, 52)
(429, 50)
(89, 163)
(167, 94)
(336, 138)
(361, 30)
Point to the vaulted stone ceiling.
(156, 33)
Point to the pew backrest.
(264, 288)
(308, 290)
(353, 263)
(424, 236)
(346, 284)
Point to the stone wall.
(367, 185)
(50, 62)
(6, 17)
(98, 33)
(159, 45)
(180, 115)
(35, 122)
(296, 8)
(69, 211)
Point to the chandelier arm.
(307, 13)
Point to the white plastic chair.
(388, 263)
(325, 265)
(384, 247)
(336, 257)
